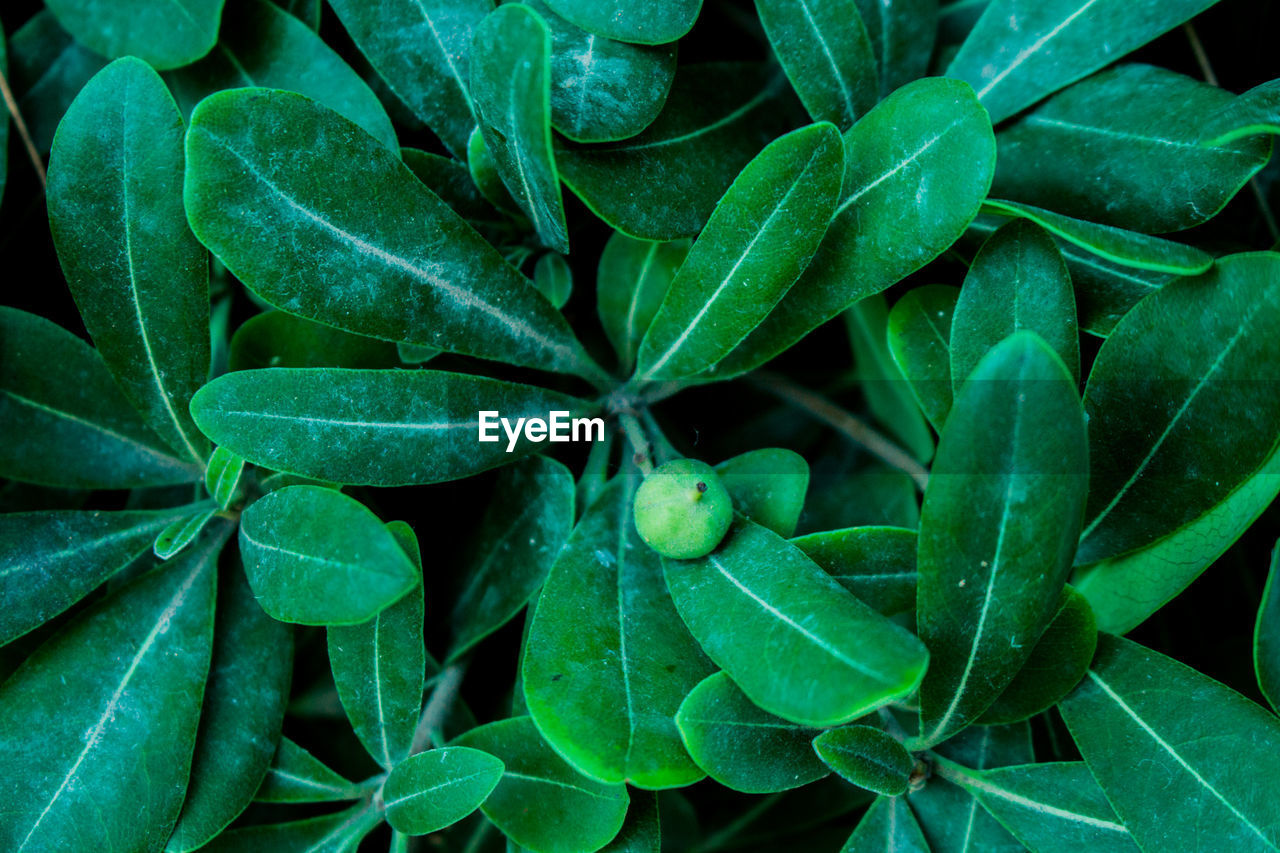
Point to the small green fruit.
(682, 509)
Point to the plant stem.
(851, 427)
(639, 441)
(448, 684)
(663, 451)
(32, 152)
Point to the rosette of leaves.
(262, 587)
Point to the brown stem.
(28, 143)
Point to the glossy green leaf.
(64, 419)
(1138, 708)
(277, 339)
(743, 747)
(180, 533)
(767, 486)
(395, 427)
(451, 180)
(222, 476)
(792, 638)
(296, 776)
(136, 664)
(141, 283)
(335, 833)
(511, 83)
(317, 217)
(665, 183)
(47, 69)
(1122, 148)
(917, 169)
(1257, 111)
(307, 11)
(162, 33)
(542, 803)
(759, 239)
(827, 54)
(902, 34)
(437, 788)
(631, 282)
(1266, 636)
(919, 334)
(607, 661)
(553, 277)
(318, 557)
(379, 667)
(260, 44)
(1196, 359)
(484, 174)
(244, 705)
(876, 564)
(642, 830)
(422, 49)
(887, 826)
(651, 22)
(1021, 50)
(866, 756)
(998, 528)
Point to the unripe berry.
(682, 510)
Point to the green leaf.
(335, 833)
(277, 339)
(319, 218)
(917, 169)
(665, 183)
(792, 638)
(162, 33)
(260, 44)
(542, 803)
(296, 776)
(867, 757)
(437, 788)
(887, 826)
(1017, 281)
(757, 242)
(919, 334)
(1257, 111)
(553, 277)
(527, 520)
(47, 69)
(317, 557)
(1123, 148)
(180, 533)
(1019, 52)
(642, 831)
(1055, 806)
(1184, 383)
(64, 420)
(393, 427)
(484, 175)
(767, 486)
(307, 11)
(876, 564)
(135, 664)
(379, 668)
(631, 282)
(222, 476)
(827, 54)
(511, 83)
(903, 33)
(608, 661)
(140, 279)
(422, 49)
(651, 22)
(53, 559)
(244, 704)
(451, 180)
(1138, 708)
(743, 747)
(1266, 636)
(998, 528)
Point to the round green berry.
(682, 509)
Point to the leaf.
(277, 339)
(162, 33)
(47, 69)
(422, 49)
(484, 174)
(335, 833)
(767, 486)
(135, 664)
(631, 282)
(794, 640)
(876, 564)
(180, 533)
(437, 788)
(906, 199)
(1020, 51)
(742, 747)
(652, 22)
(1191, 361)
(553, 278)
(1138, 708)
(260, 44)
(998, 528)
(511, 83)
(827, 54)
(642, 831)
(395, 427)
(607, 661)
(296, 776)
(317, 217)
(317, 557)
(139, 277)
(222, 476)
(919, 334)
(665, 183)
(1266, 636)
(244, 704)
(542, 803)
(379, 667)
(64, 420)
(451, 180)
(1054, 806)
(902, 33)
(1076, 153)
(887, 826)
(525, 524)
(307, 11)
(757, 242)
(867, 757)
(1254, 112)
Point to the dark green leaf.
(47, 69)
(887, 826)
(1266, 636)
(307, 11)
(451, 180)
(641, 832)
(162, 33)
(434, 789)
(876, 564)
(553, 277)
(335, 833)
(1256, 111)
(919, 334)
(181, 532)
(277, 339)
(631, 282)
(651, 22)
(866, 756)
(486, 179)
(903, 33)
(296, 776)
(767, 486)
